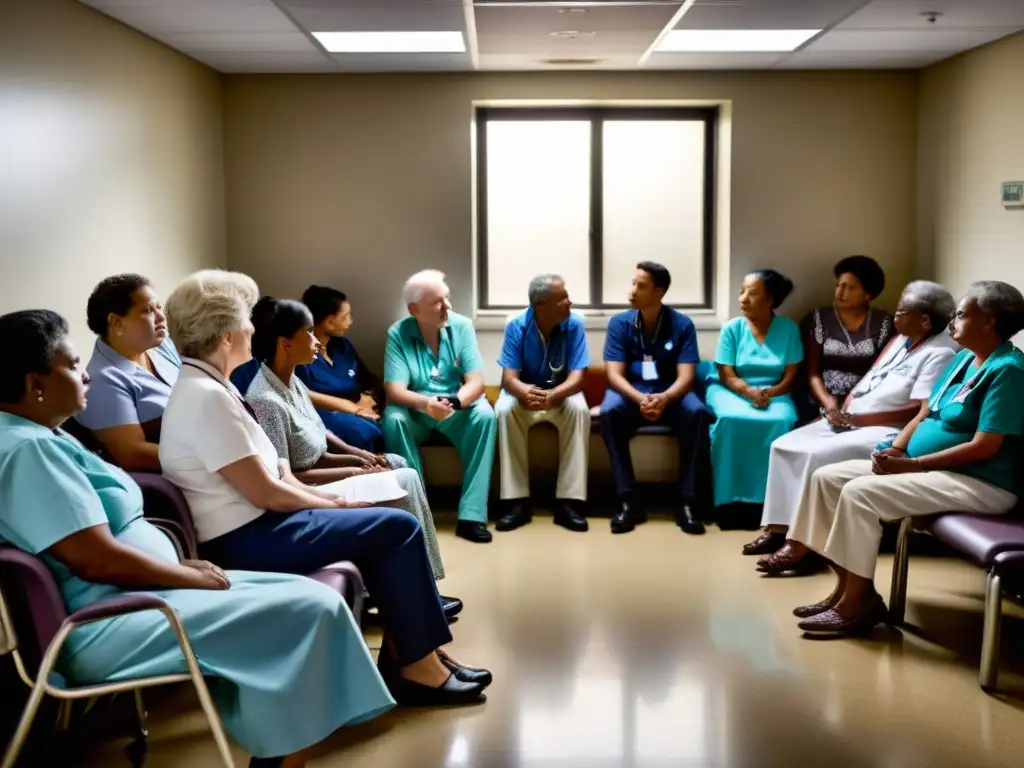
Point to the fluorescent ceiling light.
(392, 42)
(734, 40)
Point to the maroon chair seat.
(980, 537)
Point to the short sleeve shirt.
(409, 361)
(968, 400)
(124, 393)
(541, 363)
(673, 342)
(902, 376)
(760, 364)
(287, 415)
(343, 377)
(206, 427)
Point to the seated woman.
(346, 394)
(283, 657)
(284, 339)
(758, 358)
(252, 513)
(960, 453)
(842, 341)
(133, 367)
(883, 402)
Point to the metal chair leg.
(989, 673)
(900, 572)
(64, 714)
(140, 714)
(27, 716)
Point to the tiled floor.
(658, 649)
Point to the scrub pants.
(354, 430)
(385, 544)
(688, 418)
(472, 431)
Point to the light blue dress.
(741, 435)
(284, 659)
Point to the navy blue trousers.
(688, 419)
(354, 430)
(385, 544)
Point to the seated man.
(433, 377)
(544, 358)
(651, 357)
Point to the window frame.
(597, 117)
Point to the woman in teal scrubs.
(757, 362)
(285, 661)
(346, 394)
(961, 453)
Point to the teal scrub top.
(969, 399)
(760, 365)
(409, 361)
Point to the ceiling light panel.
(392, 42)
(734, 40)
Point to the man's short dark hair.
(659, 274)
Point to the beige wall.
(357, 181)
(112, 159)
(971, 140)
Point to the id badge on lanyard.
(649, 369)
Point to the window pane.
(538, 206)
(654, 205)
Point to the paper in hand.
(374, 488)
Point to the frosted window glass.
(538, 207)
(653, 191)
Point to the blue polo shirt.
(674, 342)
(122, 392)
(539, 364)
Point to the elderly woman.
(891, 393)
(960, 453)
(758, 358)
(346, 394)
(282, 341)
(434, 380)
(133, 367)
(252, 513)
(285, 660)
(842, 341)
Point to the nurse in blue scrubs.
(346, 394)
(758, 359)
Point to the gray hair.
(206, 306)
(416, 285)
(540, 287)
(931, 299)
(1002, 301)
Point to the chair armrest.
(117, 606)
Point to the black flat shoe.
(453, 693)
(452, 606)
(627, 518)
(517, 517)
(466, 674)
(473, 531)
(688, 522)
(567, 516)
(266, 762)
(765, 544)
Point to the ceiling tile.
(767, 14)
(518, 63)
(208, 17)
(279, 61)
(403, 62)
(965, 14)
(192, 42)
(383, 16)
(712, 60)
(860, 60)
(904, 40)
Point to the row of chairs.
(35, 624)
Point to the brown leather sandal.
(832, 624)
(786, 561)
(806, 611)
(765, 544)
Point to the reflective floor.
(659, 649)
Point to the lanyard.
(554, 369)
(640, 329)
(877, 375)
(248, 408)
(446, 335)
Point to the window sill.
(594, 319)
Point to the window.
(588, 193)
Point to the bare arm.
(786, 384)
(686, 374)
(128, 446)
(331, 403)
(616, 372)
(903, 438)
(399, 394)
(512, 384)
(573, 383)
(250, 477)
(471, 389)
(895, 418)
(815, 380)
(982, 447)
(731, 380)
(95, 555)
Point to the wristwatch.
(454, 402)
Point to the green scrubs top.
(969, 399)
(409, 361)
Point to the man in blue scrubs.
(544, 359)
(651, 358)
(433, 376)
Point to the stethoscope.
(446, 337)
(552, 368)
(640, 331)
(878, 376)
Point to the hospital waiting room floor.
(659, 649)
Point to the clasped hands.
(652, 406)
(893, 461)
(759, 397)
(538, 399)
(367, 407)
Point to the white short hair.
(206, 306)
(416, 285)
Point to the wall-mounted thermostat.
(1013, 194)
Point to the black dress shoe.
(689, 522)
(266, 762)
(471, 530)
(519, 516)
(452, 606)
(627, 518)
(468, 674)
(567, 516)
(454, 692)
